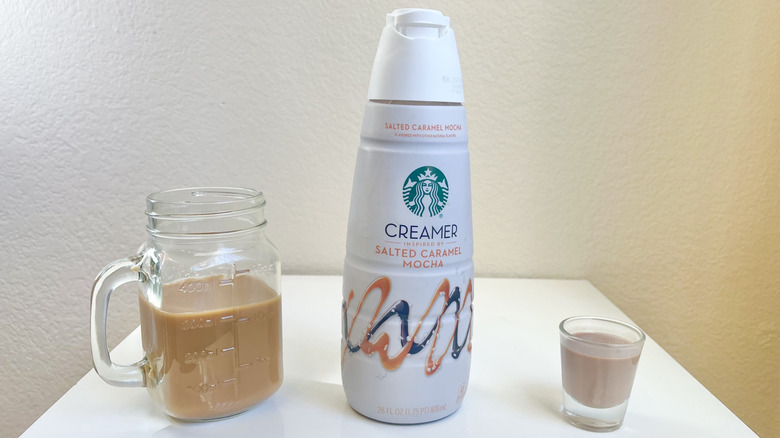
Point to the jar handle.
(112, 276)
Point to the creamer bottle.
(408, 273)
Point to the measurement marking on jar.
(257, 316)
(261, 269)
(260, 360)
(194, 287)
(233, 275)
(197, 323)
(203, 388)
(204, 355)
(199, 356)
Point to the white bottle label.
(408, 275)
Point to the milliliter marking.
(234, 274)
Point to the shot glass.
(599, 358)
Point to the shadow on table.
(546, 398)
(297, 407)
(266, 414)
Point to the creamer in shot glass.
(599, 358)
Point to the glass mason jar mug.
(210, 305)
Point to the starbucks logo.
(426, 191)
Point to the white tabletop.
(515, 384)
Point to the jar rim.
(201, 212)
(196, 201)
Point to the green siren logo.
(426, 191)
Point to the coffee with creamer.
(216, 362)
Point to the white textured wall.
(635, 144)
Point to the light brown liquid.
(214, 347)
(597, 382)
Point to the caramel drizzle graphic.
(401, 310)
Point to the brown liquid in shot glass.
(594, 381)
(218, 362)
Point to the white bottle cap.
(417, 59)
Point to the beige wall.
(636, 144)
